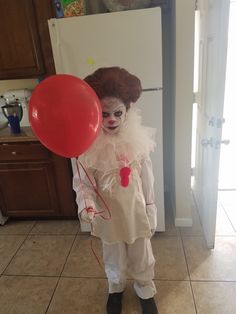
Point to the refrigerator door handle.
(152, 89)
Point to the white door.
(130, 39)
(213, 21)
(227, 181)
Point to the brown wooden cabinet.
(34, 182)
(25, 49)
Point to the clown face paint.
(113, 113)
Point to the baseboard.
(183, 222)
(2, 218)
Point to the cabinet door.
(65, 192)
(21, 52)
(44, 11)
(28, 189)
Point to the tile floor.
(48, 267)
(226, 213)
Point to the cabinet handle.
(13, 153)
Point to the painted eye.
(118, 113)
(105, 114)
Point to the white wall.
(184, 61)
(5, 85)
(16, 84)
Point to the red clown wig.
(115, 82)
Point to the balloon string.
(85, 203)
(96, 256)
(93, 250)
(96, 191)
(91, 210)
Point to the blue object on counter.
(14, 124)
(58, 8)
(40, 78)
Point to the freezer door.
(130, 39)
(150, 104)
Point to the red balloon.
(65, 114)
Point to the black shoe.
(148, 306)
(114, 303)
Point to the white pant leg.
(115, 260)
(141, 267)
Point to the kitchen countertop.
(26, 135)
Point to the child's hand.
(87, 214)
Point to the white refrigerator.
(129, 39)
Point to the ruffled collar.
(111, 151)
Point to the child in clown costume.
(120, 168)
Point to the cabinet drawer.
(29, 151)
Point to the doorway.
(226, 205)
(214, 54)
(226, 209)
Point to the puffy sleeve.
(147, 178)
(85, 194)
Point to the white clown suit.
(126, 235)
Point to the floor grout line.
(223, 207)
(13, 256)
(191, 287)
(59, 277)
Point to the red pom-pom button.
(124, 176)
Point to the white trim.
(2, 219)
(183, 96)
(183, 222)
